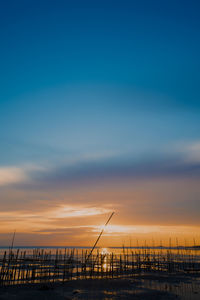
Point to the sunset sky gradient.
(99, 112)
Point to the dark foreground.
(148, 286)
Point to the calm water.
(174, 251)
(186, 287)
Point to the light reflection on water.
(105, 264)
(104, 252)
(114, 250)
(102, 263)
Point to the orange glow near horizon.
(143, 216)
(51, 231)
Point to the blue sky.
(87, 72)
(98, 89)
(148, 46)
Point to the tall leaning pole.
(99, 237)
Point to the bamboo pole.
(99, 237)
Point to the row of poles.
(45, 267)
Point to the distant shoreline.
(99, 247)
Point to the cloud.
(192, 152)
(10, 175)
(59, 211)
(161, 165)
(49, 218)
(181, 161)
(69, 211)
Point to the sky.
(99, 112)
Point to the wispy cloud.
(150, 166)
(191, 151)
(182, 162)
(61, 211)
(49, 217)
(10, 175)
(68, 211)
